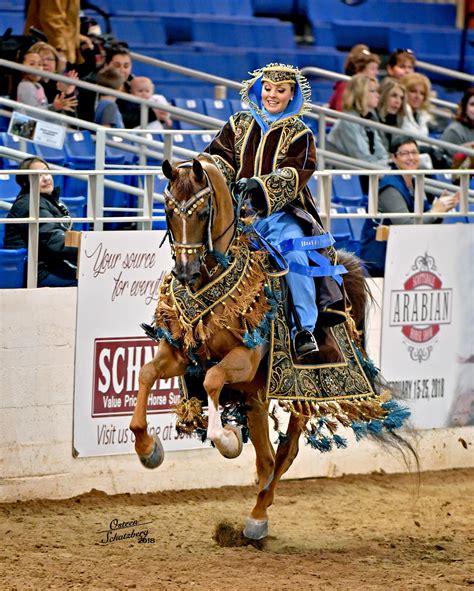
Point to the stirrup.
(304, 343)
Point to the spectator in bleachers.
(57, 263)
(419, 118)
(391, 109)
(143, 87)
(401, 63)
(51, 63)
(461, 131)
(268, 154)
(31, 92)
(59, 21)
(359, 61)
(397, 195)
(107, 112)
(361, 98)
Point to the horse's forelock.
(184, 186)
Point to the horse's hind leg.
(167, 363)
(239, 365)
(257, 524)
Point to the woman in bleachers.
(57, 263)
(391, 109)
(361, 98)
(359, 61)
(401, 63)
(397, 195)
(31, 92)
(51, 62)
(461, 131)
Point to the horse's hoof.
(230, 454)
(156, 457)
(256, 529)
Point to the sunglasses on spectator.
(405, 153)
(399, 50)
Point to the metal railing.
(145, 215)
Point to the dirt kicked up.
(356, 532)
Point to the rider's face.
(275, 97)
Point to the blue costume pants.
(282, 226)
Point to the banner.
(120, 274)
(427, 347)
(37, 131)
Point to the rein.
(186, 209)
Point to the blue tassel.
(396, 418)
(221, 258)
(164, 333)
(340, 442)
(322, 444)
(367, 365)
(375, 427)
(360, 430)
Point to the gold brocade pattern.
(280, 187)
(242, 122)
(322, 383)
(225, 168)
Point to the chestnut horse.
(202, 221)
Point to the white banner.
(120, 273)
(428, 321)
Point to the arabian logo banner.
(427, 349)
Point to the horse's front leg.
(239, 365)
(167, 363)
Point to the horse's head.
(191, 217)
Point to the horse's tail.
(358, 293)
(359, 298)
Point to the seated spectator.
(361, 98)
(461, 131)
(57, 263)
(391, 109)
(31, 92)
(359, 61)
(400, 63)
(107, 113)
(143, 87)
(51, 63)
(419, 118)
(397, 195)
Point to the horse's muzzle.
(187, 274)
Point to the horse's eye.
(203, 214)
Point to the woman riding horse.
(268, 155)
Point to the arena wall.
(37, 350)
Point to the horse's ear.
(197, 169)
(168, 171)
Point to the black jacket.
(53, 257)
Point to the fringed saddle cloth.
(347, 393)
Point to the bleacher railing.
(147, 216)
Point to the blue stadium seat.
(80, 150)
(237, 105)
(3, 214)
(201, 141)
(4, 122)
(158, 208)
(8, 187)
(356, 225)
(217, 108)
(196, 105)
(347, 190)
(15, 20)
(140, 32)
(340, 229)
(78, 209)
(52, 155)
(13, 142)
(12, 268)
(427, 40)
(183, 141)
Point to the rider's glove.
(251, 194)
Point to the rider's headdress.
(277, 74)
